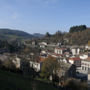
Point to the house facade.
(75, 51)
(89, 77)
(75, 60)
(16, 62)
(42, 44)
(87, 47)
(83, 56)
(59, 50)
(35, 65)
(85, 66)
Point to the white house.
(85, 66)
(55, 55)
(63, 60)
(59, 50)
(89, 77)
(43, 52)
(16, 62)
(3, 57)
(75, 60)
(52, 45)
(87, 47)
(43, 44)
(35, 65)
(83, 56)
(75, 51)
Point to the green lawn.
(12, 81)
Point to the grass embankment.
(12, 81)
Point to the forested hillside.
(77, 35)
(14, 34)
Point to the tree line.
(77, 35)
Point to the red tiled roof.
(74, 58)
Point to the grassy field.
(12, 81)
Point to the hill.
(78, 35)
(78, 38)
(12, 81)
(9, 34)
(38, 35)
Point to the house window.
(88, 69)
(82, 68)
(85, 68)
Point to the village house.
(16, 62)
(56, 55)
(66, 40)
(75, 60)
(67, 54)
(34, 43)
(84, 56)
(85, 66)
(63, 59)
(75, 51)
(42, 44)
(52, 45)
(4, 57)
(35, 65)
(59, 50)
(89, 77)
(66, 70)
(87, 47)
(44, 52)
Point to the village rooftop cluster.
(67, 56)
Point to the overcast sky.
(40, 16)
